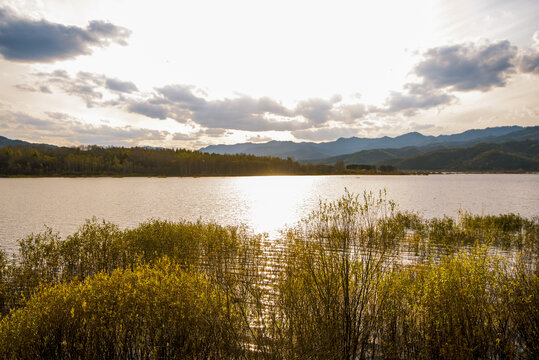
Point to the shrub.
(157, 311)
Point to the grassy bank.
(355, 279)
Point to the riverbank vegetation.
(357, 279)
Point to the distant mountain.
(509, 156)
(311, 151)
(372, 157)
(4, 141)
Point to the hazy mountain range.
(329, 152)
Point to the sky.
(194, 73)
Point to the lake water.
(264, 204)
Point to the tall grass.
(356, 279)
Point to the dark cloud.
(120, 86)
(28, 40)
(467, 67)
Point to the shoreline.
(403, 173)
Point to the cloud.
(18, 120)
(349, 113)
(317, 110)
(446, 70)
(84, 85)
(529, 59)
(28, 40)
(188, 105)
(94, 89)
(259, 139)
(418, 96)
(120, 86)
(55, 128)
(180, 103)
(216, 133)
(42, 88)
(327, 133)
(148, 109)
(529, 63)
(184, 137)
(183, 104)
(419, 127)
(244, 113)
(468, 67)
(181, 95)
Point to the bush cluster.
(356, 279)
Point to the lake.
(264, 204)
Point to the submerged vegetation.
(357, 279)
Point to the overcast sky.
(193, 73)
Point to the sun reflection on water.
(271, 201)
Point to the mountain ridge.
(305, 151)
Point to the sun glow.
(271, 201)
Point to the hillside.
(4, 141)
(510, 156)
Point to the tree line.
(96, 160)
